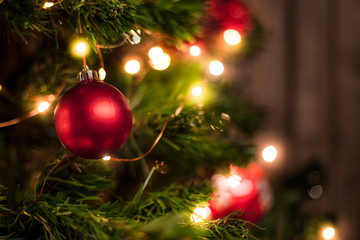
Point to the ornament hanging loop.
(87, 75)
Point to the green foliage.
(198, 138)
(178, 20)
(229, 227)
(161, 214)
(172, 199)
(102, 21)
(21, 18)
(80, 200)
(84, 199)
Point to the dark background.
(308, 78)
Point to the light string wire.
(101, 60)
(176, 113)
(33, 112)
(66, 157)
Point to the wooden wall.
(308, 77)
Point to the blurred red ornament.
(93, 119)
(247, 190)
(230, 14)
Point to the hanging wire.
(176, 113)
(41, 190)
(101, 60)
(34, 112)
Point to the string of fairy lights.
(161, 60)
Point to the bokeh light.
(233, 181)
(195, 51)
(135, 37)
(106, 158)
(160, 62)
(155, 52)
(232, 37)
(200, 214)
(269, 154)
(196, 91)
(48, 5)
(328, 233)
(102, 74)
(316, 191)
(43, 106)
(216, 68)
(132, 66)
(80, 48)
(51, 97)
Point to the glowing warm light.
(135, 37)
(106, 158)
(51, 98)
(160, 62)
(269, 154)
(216, 68)
(200, 214)
(48, 5)
(196, 91)
(232, 37)
(328, 233)
(43, 106)
(132, 66)
(195, 50)
(80, 48)
(233, 181)
(225, 116)
(155, 52)
(102, 74)
(0, 87)
(104, 110)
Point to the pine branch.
(163, 214)
(101, 21)
(172, 199)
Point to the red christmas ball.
(93, 119)
(245, 189)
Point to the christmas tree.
(121, 120)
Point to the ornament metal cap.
(87, 75)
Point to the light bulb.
(106, 158)
(233, 181)
(216, 68)
(329, 233)
(48, 5)
(135, 37)
(232, 37)
(102, 74)
(132, 66)
(196, 91)
(269, 154)
(51, 98)
(195, 50)
(80, 48)
(43, 106)
(160, 62)
(200, 214)
(155, 52)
